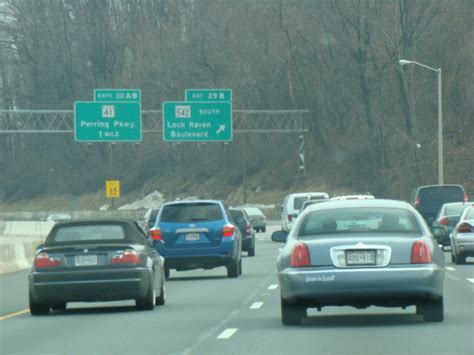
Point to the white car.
(292, 206)
(462, 237)
(352, 197)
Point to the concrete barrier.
(17, 253)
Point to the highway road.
(208, 313)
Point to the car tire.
(251, 251)
(161, 299)
(147, 303)
(459, 259)
(292, 313)
(432, 310)
(167, 273)
(264, 229)
(61, 306)
(453, 257)
(37, 308)
(233, 270)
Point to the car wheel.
(37, 308)
(453, 256)
(161, 299)
(240, 266)
(292, 313)
(251, 252)
(147, 303)
(233, 269)
(264, 229)
(432, 310)
(459, 259)
(167, 273)
(59, 306)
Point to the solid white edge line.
(273, 287)
(256, 305)
(450, 268)
(471, 280)
(226, 334)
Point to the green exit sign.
(197, 121)
(208, 95)
(107, 121)
(126, 95)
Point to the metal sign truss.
(244, 121)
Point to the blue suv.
(198, 234)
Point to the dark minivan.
(429, 199)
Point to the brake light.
(300, 256)
(465, 228)
(444, 221)
(417, 201)
(466, 198)
(290, 217)
(155, 234)
(44, 260)
(420, 253)
(248, 229)
(129, 256)
(228, 230)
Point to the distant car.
(59, 217)
(199, 234)
(245, 227)
(429, 199)
(96, 260)
(360, 253)
(150, 217)
(462, 237)
(447, 218)
(292, 204)
(257, 218)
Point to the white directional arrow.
(220, 129)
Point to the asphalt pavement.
(208, 313)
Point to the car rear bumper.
(90, 285)
(465, 245)
(398, 285)
(197, 262)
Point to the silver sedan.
(462, 237)
(360, 253)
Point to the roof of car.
(359, 203)
(302, 194)
(191, 202)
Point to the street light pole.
(440, 117)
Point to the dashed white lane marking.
(471, 280)
(256, 305)
(273, 287)
(226, 334)
(450, 268)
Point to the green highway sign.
(126, 95)
(197, 121)
(107, 121)
(208, 95)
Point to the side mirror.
(280, 236)
(439, 232)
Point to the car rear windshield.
(359, 220)
(470, 213)
(85, 233)
(196, 212)
(251, 211)
(432, 198)
(453, 210)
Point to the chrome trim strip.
(371, 269)
(191, 230)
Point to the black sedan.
(96, 260)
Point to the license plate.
(192, 237)
(86, 260)
(360, 257)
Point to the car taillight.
(248, 229)
(420, 253)
(444, 221)
(155, 234)
(129, 256)
(466, 198)
(44, 260)
(290, 217)
(300, 256)
(417, 201)
(228, 231)
(465, 228)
